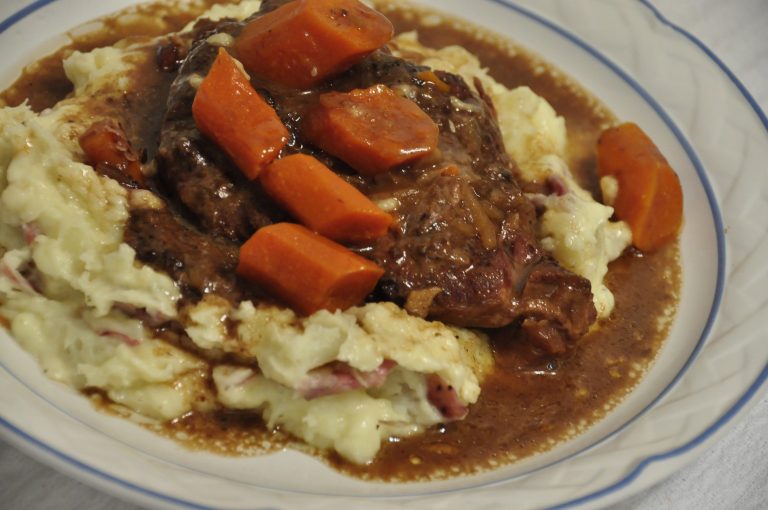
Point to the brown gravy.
(530, 403)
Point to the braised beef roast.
(463, 248)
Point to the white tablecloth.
(731, 475)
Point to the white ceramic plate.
(707, 374)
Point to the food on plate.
(227, 110)
(373, 130)
(306, 270)
(279, 223)
(648, 194)
(302, 44)
(323, 201)
(105, 147)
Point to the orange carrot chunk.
(431, 77)
(374, 130)
(105, 144)
(306, 270)
(230, 112)
(305, 42)
(650, 198)
(323, 201)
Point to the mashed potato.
(353, 422)
(290, 350)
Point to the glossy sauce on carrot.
(530, 402)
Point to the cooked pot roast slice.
(463, 247)
(463, 225)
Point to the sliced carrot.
(305, 42)
(323, 201)
(650, 198)
(230, 112)
(105, 143)
(374, 130)
(431, 77)
(306, 270)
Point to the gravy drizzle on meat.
(464, 251)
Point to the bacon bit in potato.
(121, 337)
(30, 231)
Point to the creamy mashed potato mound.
(354, 422)
(288, 348)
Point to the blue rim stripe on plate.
(4, 25)
(101, 474)
(723, 67)
(23, 13)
